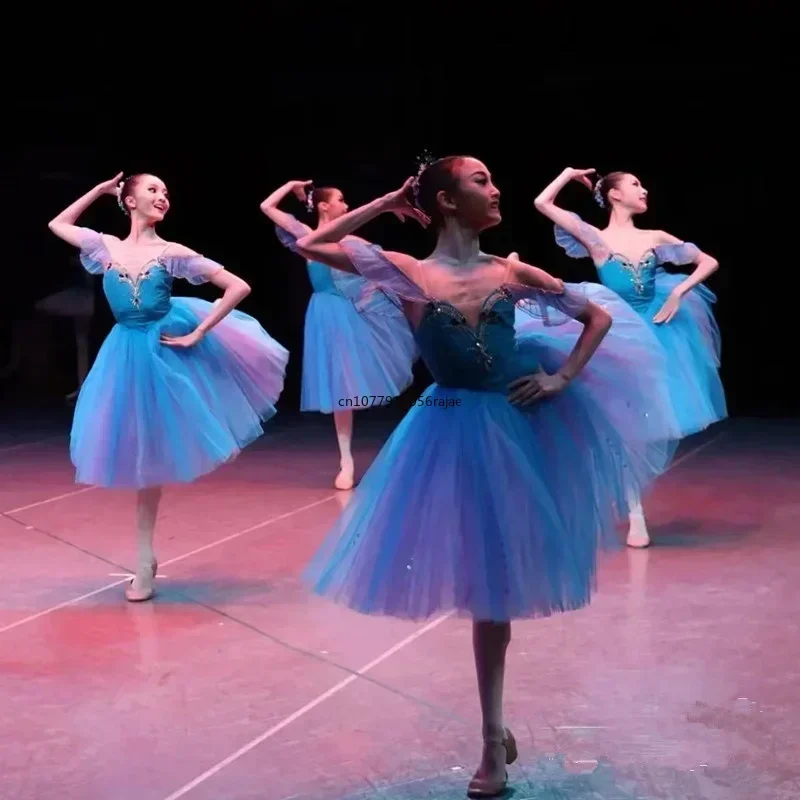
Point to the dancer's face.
(476, 203)
(630, 194)
(148, 198)
(334, 205)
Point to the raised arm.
(64, 225)
(325, 243)
(586, 234)
(281, 218)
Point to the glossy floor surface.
(682, 680)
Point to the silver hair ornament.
(424, 160)
(120, 203)
(598, 194)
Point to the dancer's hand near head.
(282, 219)
(323, 244)
(64, 224)
(110, 186)
(586, 234)
(580, 176)
(298, 189)
(401, 204)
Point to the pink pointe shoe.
(345, 480)
(141, 587)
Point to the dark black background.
(227, 110)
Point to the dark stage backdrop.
(709, 142)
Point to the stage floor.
(681, 681)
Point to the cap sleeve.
(94, 255)
(363, 294)
(373, 265)
(572, 246)
(550, 307)
(679, 254)
(194, 268)
(288, 236)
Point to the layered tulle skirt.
(354, 359)
(493, 510)
(150, 414)
(691, 341)
(626, 380)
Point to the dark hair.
(321, 195)
(439, 176)
(605, 185)
(128, 185)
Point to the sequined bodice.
(140, 300)
(634, 283)
(484, 358)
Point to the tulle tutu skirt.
(691, 341)
(675, 362)
(626, 380)
(352, 358)
(495, 511)
(150, 414)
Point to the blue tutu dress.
(358, 349)
(625, 380)
(691, 340)
(474, 504)
(149, 414)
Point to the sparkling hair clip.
(598, 194)
(310, 199)
(120, 187)
(424, 160)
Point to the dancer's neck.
(457, 243)
(620, 218)
(142, 232)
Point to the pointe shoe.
(638, 537)
(481, 786)
(638, 540)
(345, 479)
(141, 587)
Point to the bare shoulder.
(109, 238)
(404, 262)
(533, 277)
(178, 250)
(506, 266)
(662, 237)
